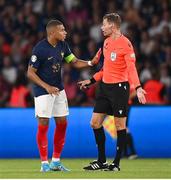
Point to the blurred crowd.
(22, 24)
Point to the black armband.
(138, 87)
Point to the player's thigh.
(120, 100)
(120, 123)
(97, 120)
(44, 106)
(60, 106)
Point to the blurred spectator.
(164, 75)
(71, 89)
(146, 72)
(147, 44)
(90, 94)
(165, 36)
(77, 12)
(20, 94)
(9, 71)
(154, 29)
(4, 92)
(166, 21)
(95, 29)
(155, 89)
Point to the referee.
(112, 99)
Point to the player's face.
(60, 33)
(107, 28)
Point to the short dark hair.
(53, 23)
(113, 18)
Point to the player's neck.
(116, 35)
(52, 42)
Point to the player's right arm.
(31, 74)
(34, 64)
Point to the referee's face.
(107, 28)
(60, 33)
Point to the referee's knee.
(120, 127)
(95, 125)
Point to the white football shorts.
(48, 105)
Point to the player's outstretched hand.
(53, 90)
(141, 95)
(96, 58)
(84, 84)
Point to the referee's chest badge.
(113, 56)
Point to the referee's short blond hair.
(113, 18)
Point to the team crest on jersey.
(132, 55)
(33, 58)
(55, 67)
(62, 54)
(113, 56)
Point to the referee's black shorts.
(112, 99)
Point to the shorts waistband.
(115, 84)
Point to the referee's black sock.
(121, 141)
(100, 141)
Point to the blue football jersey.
(48, 59)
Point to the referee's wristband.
(92, 81)
(138, 87)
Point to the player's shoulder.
(42, 44)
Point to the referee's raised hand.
(141, 95)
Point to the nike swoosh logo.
(49, 58)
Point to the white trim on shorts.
(48, 105)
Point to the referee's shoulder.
(125, 41)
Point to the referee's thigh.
(97, 120)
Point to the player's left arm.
(132, 72)
(79, 63)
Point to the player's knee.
(43, 121)
(61, 121)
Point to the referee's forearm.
(133, 75)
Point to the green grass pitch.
(139, 168)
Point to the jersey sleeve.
(35, 59)
(98, 75)
(68, 55)
(130, 61)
